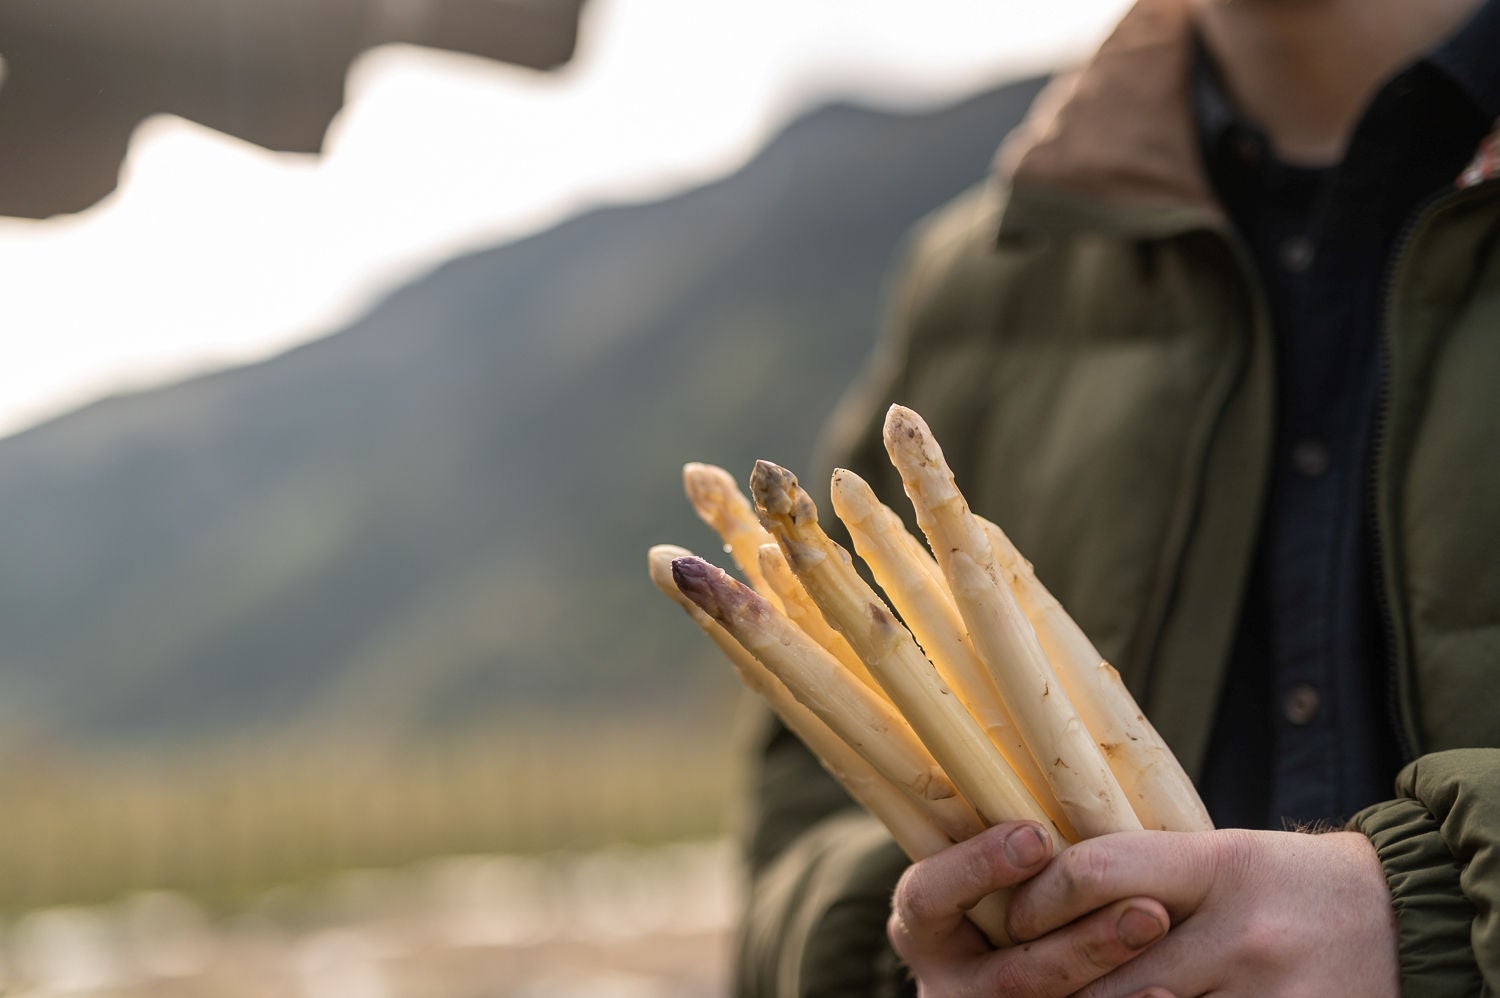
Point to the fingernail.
(1025, 846)
(1138, 927)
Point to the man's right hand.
(950, 957)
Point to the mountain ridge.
(441, 510)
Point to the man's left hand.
(1253, 913)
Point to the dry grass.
(222, 825)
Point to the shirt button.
(1310, 458)
(1301, 705)
(1297, 254)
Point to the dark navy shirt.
(1305, 729)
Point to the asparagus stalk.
(1154, 782)
(1081, 780)
(907, 577)
(719, 503)
(915, 830)
(899, 811)
(953, 736)
(869, 724)
(797, 605)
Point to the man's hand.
(951, 958)
(1254, 913)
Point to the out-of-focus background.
(349, 353)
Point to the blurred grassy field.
(226, 823)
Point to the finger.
(1069, 959)
(927, 915)
(1175, 868)
(1182, 964)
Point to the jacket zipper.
(1397, 695)
(1380, 557)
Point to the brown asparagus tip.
(778, 497)
(715, 592)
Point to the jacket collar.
(1113, 146)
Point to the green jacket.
(1086, 337)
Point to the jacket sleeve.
(1439, 842)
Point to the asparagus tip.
(900, 419)
(772, 561)
(660, 559)
(853, 499)
(707, 486)
(778, 496)
(710, 587)
(911, 445)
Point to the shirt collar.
(1468, 58)
(1223, 133)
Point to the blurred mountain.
(442, 511)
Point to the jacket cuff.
(1434, 919)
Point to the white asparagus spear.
(1153, 780)
(913, 827)
(797, 605)
(915, 830)
(1080, 778)
(718, 501)
(918, 552)
(955, 739)
(927, 608)
(867, 723)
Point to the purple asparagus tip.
(691, 575)
(714, 590)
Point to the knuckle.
(1264, 939)
(1084, 871)
(1229, 855)
(1021, 920)
(985, 867)
(1099, 948)
(915, 899)
(1010, 979)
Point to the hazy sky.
(215, 252)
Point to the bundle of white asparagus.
(989, 704)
